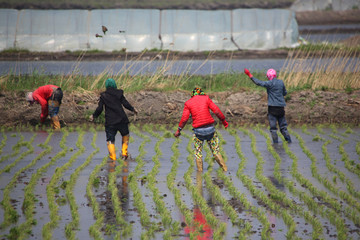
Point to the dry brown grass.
(337, 69)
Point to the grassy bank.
(342, 72)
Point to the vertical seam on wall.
(232, 30)
(161, 42)
(88, 29)
(16, 28)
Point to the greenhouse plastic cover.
(139, 29)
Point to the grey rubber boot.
(286, 135)
(274, 136)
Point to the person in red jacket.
(49, 97)
(203, 126)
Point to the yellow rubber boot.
(124, 149)
(112, 153)
(220, 161)
(55, 122)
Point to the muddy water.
(251, 142)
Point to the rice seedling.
(218, 227)
(186, 212)
(138, 201)
(275, 195)
(51, 192)
(331, 214)
(259, 211)
(125, 227)
(94, 229)
(10, 214)
(28, 204)
(74, 224)
(15, 151)
(160, 205)
(48, 227)
(3, 141)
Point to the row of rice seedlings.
(317, 226)
(316, 137)
(218, 227)
(245, 227)
(329, 213)
(52, 190)
(28, 205)
(94, 229)
(276, 199)
(349, 164)
(348, 211)
(15, 151)
(172, 227)
(186, 212)
(258, 211)
(3, 141)
(10, 214)
(308, 200)
(138, 201)
(358, 148)
(332, 168)
(195, 226)
(71, 227)
(125, 227)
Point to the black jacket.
(114, 100)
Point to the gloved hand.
(91, 118)
(178, 133)
(247, 72)
(225, 123)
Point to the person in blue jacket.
(276, 103)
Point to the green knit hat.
(110, 83)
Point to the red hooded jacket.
(198, 106)
(42, 95)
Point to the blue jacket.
(275, 89)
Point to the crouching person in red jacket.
(49, 97)
(203, 126)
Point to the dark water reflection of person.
(123, 190)
(199, 219)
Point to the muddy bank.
(247, 107)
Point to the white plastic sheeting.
(196, 30)
(139, 29)
(8, 19)
(264, 29)
(131, 29)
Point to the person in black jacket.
(115, 117)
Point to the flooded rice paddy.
(58, 185)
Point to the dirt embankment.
(304, 107)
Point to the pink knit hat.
(271, 74)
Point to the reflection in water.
(276, 183)
(199, 219)
(272, 220)
(124, 193)
(123, 190)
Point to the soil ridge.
(245, 107)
